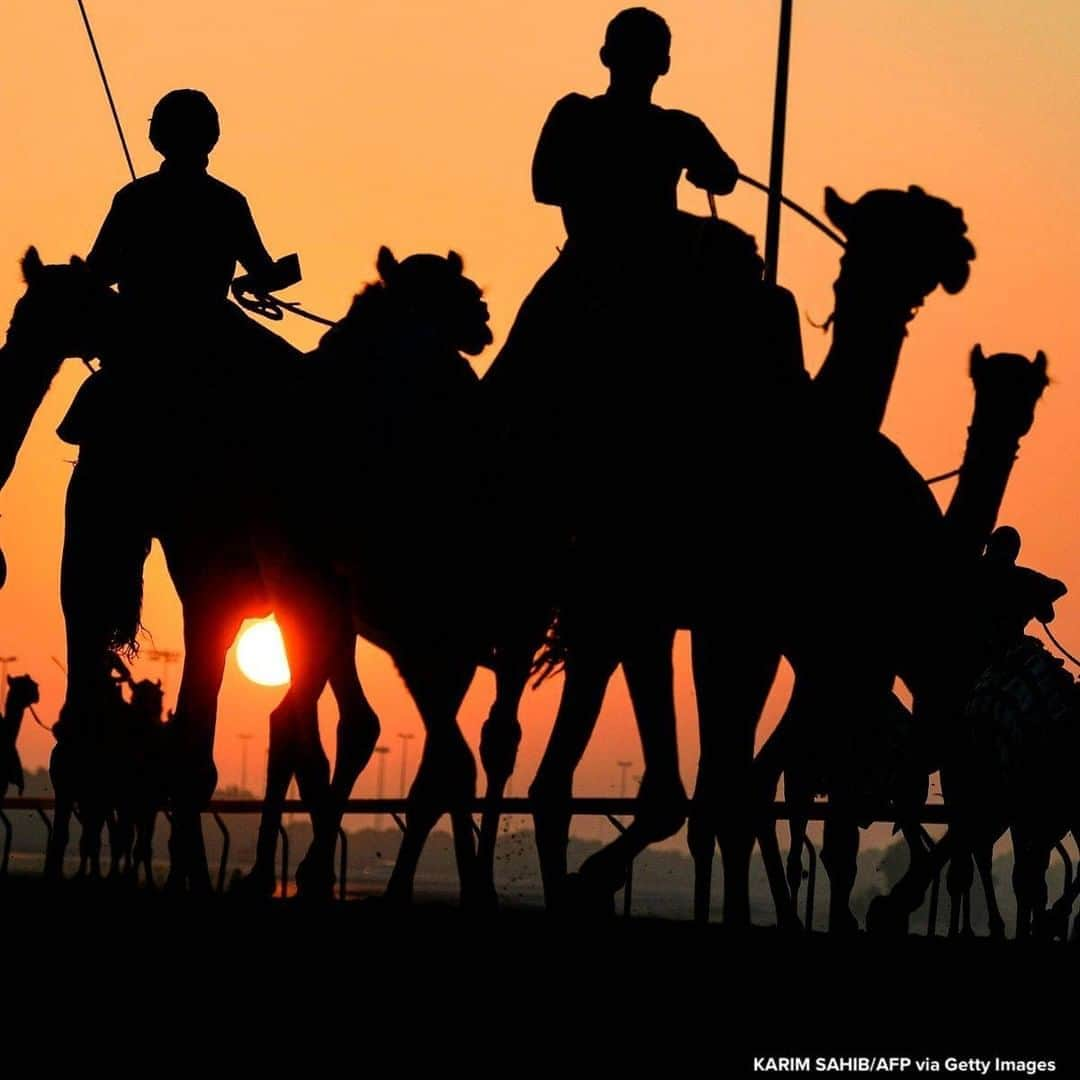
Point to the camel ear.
(978, 361)
(455, 261)
(837, 210)
(386, 264)
(31, 265)
(1040, 363)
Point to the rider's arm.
(707, 165)
(556, 152)
(250, 250)
(106, 256)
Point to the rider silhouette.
(187, 358)
(613, 162)
(179, 233)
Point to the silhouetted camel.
(1006, 390)
(1007, 757)
(22, 694)
(1009, 597)
(891, 760)
(205, 521)
(809, 448)
(309, 555)
(927, 633)
(140, 789)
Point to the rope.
(1061, 648)
(273, 307)
(38, 720)
(791, 205)
(943, 476)
(105, 83)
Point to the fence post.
(225, 844)
(343, 865)
(7, 844)
(284, 861)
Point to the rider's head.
(184, 127)
(637, 46)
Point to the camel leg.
(984, 862)
(58, 837)
(839, 856)
(192, 772)
(499, 741)
(144, 846)
(661, 803)
(358, 731)
(446, 778)
(768, 766)
(958, 882)
(797, 825)
(261, 879)
(1029, 881)
(100, 589)
(732, 685)
(588, 671)
(889, 913)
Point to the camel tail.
(122, 600)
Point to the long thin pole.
(105, 83)
(776, 161)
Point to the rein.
(37, 720)
(1060, 648)
(273, 307)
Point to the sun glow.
(260, 654)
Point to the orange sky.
(352, 124)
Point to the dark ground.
(230, 984)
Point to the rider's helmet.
(184, 125)
(637, 42)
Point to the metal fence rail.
(610, 808)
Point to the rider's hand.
(241, 284)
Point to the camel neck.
(25, 377)
(858, 374)
(13, 717)
(988, 462)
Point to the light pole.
(4, 661)
(380, 779)
(776, 160)
(244, 740)
(404, 736)
(624, 766)
(167, 658)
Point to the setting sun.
(260, 654)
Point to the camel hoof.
(256, 884)
(843, 924)
(789, 923)
(314, 882)
(480, 900)
(585, 897)
(886, 918)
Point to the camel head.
(434, 291)
(65, 312)
(901, 245)
(148, 701)
(1007, 388)
(22, 691)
